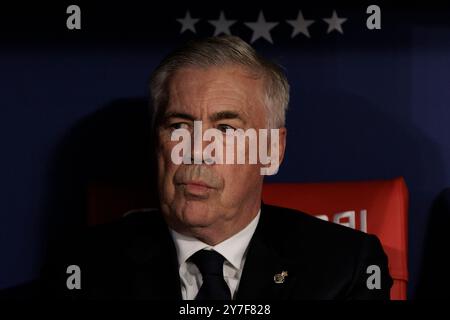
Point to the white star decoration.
(261, 28)
(300, 25)
(222, 25)
(335, 23)
(188, 23)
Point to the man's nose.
(198, 145)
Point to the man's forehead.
(215, 113)
(219, 90)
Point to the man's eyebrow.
(181, 115)
(222, 115)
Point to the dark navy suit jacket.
(135, 258)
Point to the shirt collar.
(232, 249)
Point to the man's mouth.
(196, 188)
(197, 183)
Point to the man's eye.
(179, 125)
(225, 127)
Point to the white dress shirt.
(233, 249)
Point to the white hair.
(223, 51)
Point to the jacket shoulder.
(132, 223)
(293, 224)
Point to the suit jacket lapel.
(266, 260)
(154, 265)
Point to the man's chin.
(196, 214)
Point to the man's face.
(203, 199)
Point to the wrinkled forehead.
(212, 89)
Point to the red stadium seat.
(378, 207)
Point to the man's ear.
(282, 144)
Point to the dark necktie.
(210, 264)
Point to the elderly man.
(212, 237)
